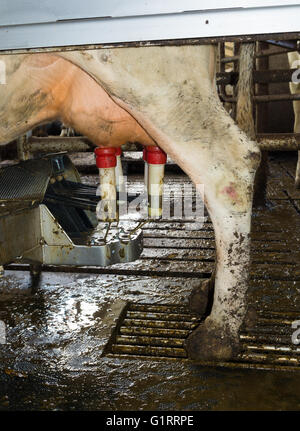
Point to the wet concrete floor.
(56, 331)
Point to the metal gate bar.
(98, 23)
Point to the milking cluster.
(112, 185)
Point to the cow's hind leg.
(228, 192)
(228, 197)
(217, 337)
(228, 178)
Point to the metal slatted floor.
(175, 249)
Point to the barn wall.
(281, 114)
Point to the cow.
(170, 92)
(294, 61)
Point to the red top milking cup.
(106, 157)
(155, 156)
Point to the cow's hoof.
(201, 297)
(209, 343)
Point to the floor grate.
(159, 331)
(152, 330)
